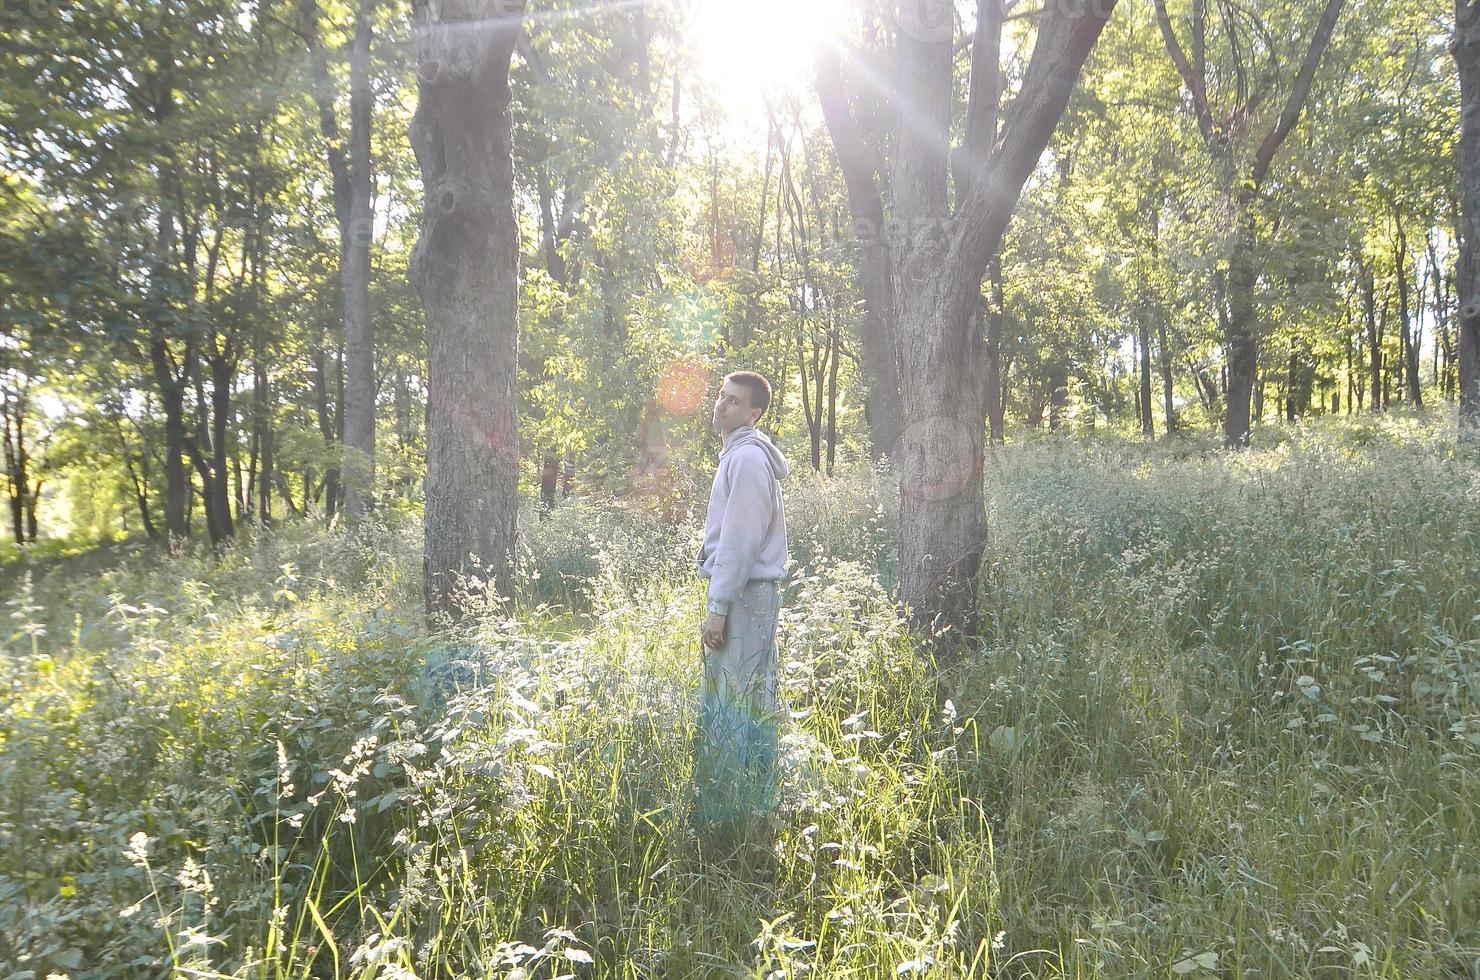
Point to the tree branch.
(1194, 81)
(1066, 35)
(854, 157)
(1300, 93)
(984, 96)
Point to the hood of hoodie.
(748, 435)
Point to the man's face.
(732, 408)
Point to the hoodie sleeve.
(748, 513)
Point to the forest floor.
(1225, 723)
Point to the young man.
(744, 558)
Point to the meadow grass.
(1225, 722)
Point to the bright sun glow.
(746, 48)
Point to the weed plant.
(1224, 722)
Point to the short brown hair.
(760, 388)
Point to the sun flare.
(747, 49)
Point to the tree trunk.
(1169, 405)
(834, 355)
(1292, 384)
(943, 520)
(1374, 336)
(1444, 353)
(223, 373)
(1405, 314)
(937, 276)
(466, 268)
(1466, 49)
(359, 328)
(328, 426)
(549, 480)
(1241, 339)
(1058, 395)
(883, 409)
(31, 498)
(996, 390)
(1148, 425)
(339, 171)
(176, 478)
(16, 479)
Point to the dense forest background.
(355, 363)
(209, 210)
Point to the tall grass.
(1225, 722)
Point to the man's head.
(743, 399)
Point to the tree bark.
(834, 354)
(1374, 335)
(359, 328)
(996, 390)
(16, 479)
(465, 265)
(1241, 340)
(170, 386)
(339, 172)
(223, 374)
(1169, 405)
(1292, 384)
(1405, 314)
(328, 426)
(1148, 425)
(549, 480)
(859, 164)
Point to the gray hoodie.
(744, 528)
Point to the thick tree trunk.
(937, 275)
(359, 329)
(466, 267)
(943, 529)
(1466, 49)
(1058, 395)
(176, 477)
(1241, 339)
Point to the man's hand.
(714, 632)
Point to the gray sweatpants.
(740, 710)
